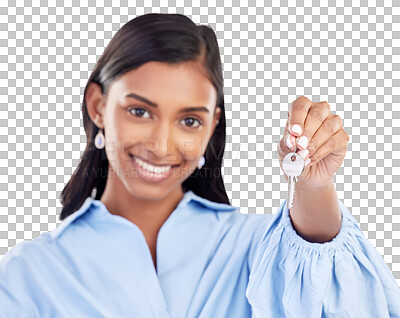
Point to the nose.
(162, 142)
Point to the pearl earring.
(99, 139)
(201, 162)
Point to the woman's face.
(147, 116)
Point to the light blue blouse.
(212, 261)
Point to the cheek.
(192, 147)
(118, 138)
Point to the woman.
(147, 227)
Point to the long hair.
(170, 38)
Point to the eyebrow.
(183, 110)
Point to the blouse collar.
(188, 196)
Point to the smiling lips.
(153, 164)
(151, 173)
(150, 168)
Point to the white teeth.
(151, 168)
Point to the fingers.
(336, 144)
(317, 128)
(319, 134)
(315, 117)
(287, 142)
(297, 115)
(330, 126)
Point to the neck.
(148, 213)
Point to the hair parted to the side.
(170, 38)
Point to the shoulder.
(25, 248)
(202, 203)
(227, 211)
(32, 251)
(19, 268)
(256, 225)
(85, 207)
(24, 254)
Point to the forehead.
(183, 83)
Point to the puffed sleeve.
(345, 277)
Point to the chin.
(148, 192)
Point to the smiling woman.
(142, 136)
(160, 239)
(157, 102)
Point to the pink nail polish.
(288, 142)
(303, 153)
(293, 139)
(307, 162)
(296, 129)
(303, 142)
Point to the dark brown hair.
(170, 38)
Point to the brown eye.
(138, 112)
(190, 120)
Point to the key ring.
(295, 144)
(295, 149)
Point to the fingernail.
(296, 129)
(306, 163)
(303, 142)
(303, 153)
(288, 142)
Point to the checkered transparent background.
(344, 52)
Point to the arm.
(315, 213)
(313, 260)
(322, 142)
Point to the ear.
(217, 115)
(95, 104)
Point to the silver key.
(293, 166)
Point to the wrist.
(302, 186)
